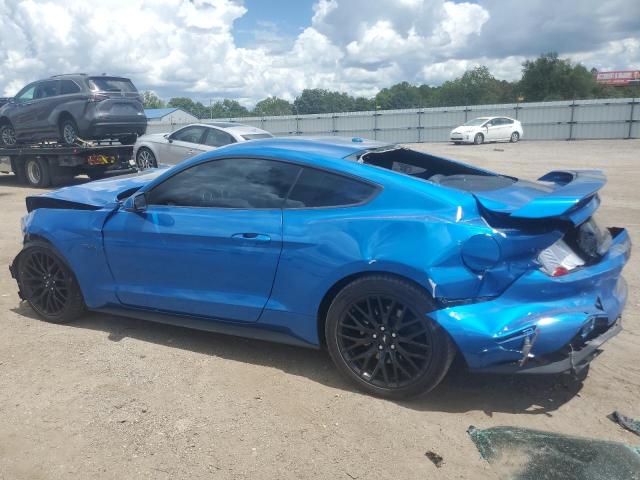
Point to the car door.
(507, 128)
(182, 144)
(493, 130)
(46, 97)
(208, 243)
(24, 115)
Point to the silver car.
(171, 148)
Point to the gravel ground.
(110, 397)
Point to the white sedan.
(171, 148)
(488, 129)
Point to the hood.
(467, 129)
(94, 195)
(563, 195)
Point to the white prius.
(488, 129)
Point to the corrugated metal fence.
(564, 120)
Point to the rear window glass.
(316, 188)
(107, 84)
(256, 136)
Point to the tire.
(128, 139)
(7, 135)
(18, 170)
(68, 132)
(515, 136)
(478, 139)
(374, 318)
(145, 159)
(37, 172)
(48, 284)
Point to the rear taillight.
(97, 97)
(559, 259)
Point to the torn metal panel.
(626, 422)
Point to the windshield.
(256, 136)
(475, 122)
(107, 84)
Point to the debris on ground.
(526, 454)
(626, 422)
(435, 458)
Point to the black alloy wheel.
(379, 335)
(48, 285)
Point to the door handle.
(257, 237)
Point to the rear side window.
(218, 138)
(69, 87)
(189, 134)
(110, 84)
(256, 136)
(316, 188)
(228, 183)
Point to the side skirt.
(263, 332)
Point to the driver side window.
(26, 94)
(228, 183)
(188, 134)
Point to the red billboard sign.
(619, 77)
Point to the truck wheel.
(18, 171)
(37, 172)
(7, 135)
(68, 132)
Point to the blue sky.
(250, 49)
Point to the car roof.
(332, 147)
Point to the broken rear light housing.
(559, 259)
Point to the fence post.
(633, 104)
(419, 113)
(573, 107)
(333, 124)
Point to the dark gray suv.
(71, 107)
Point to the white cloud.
(187, 47)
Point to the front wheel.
(48, 285)
(380, 336)
(515, 136)
(478, 139)
(7, 135)
(145, 159)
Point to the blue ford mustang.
(395, 260)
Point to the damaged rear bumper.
(543, 324)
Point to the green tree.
(317, 100)
(151, 100)
(271, 106)
(227, 109)
(549, 77)
(400, 95)
(475, 87)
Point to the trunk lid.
(559, 195)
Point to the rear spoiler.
(573, 197)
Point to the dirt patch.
(110, 397)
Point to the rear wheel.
(37, 172)
(478, 139)
(515, 136)
(380, 337)
(48, 285)
(7, 135)
(68, 131)
(145, 159)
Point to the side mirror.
(136, 203)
